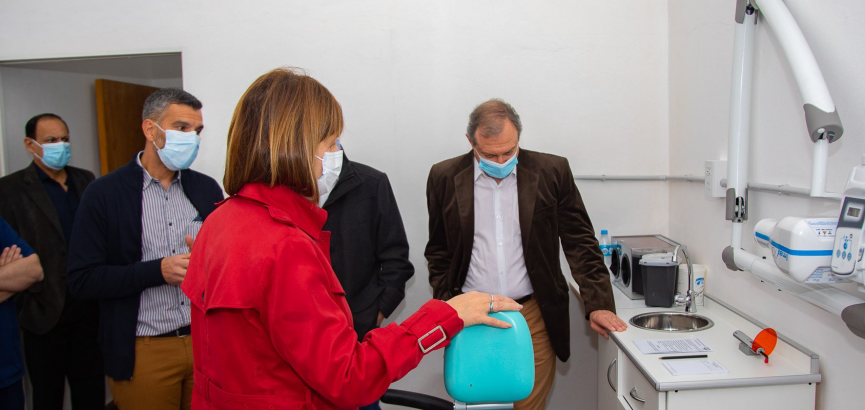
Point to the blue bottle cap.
(603, 231)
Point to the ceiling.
(137, 66)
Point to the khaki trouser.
(545, 359)
(162, 379)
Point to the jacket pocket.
(548, 209)
(224, 400)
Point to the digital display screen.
(852, 213)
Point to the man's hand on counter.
(604, 320)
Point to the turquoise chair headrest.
(486, 364)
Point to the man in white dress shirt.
(495, 227)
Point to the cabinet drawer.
(636, 390)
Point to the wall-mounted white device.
(848, 241)
(801, 247)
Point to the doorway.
(68, 88)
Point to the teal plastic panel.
(485, 364)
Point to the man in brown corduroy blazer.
(495, 227)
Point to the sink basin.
(671, 322)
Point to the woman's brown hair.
(276, 127)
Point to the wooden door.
(118, 114)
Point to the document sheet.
(694, 367)
(695, 345)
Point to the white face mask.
(331, 166)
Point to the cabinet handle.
(635, 397)
(609, 369)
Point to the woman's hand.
(474, 308)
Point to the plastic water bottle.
(606, 247)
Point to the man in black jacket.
(130, 250)
(59, 330)
(368, 245)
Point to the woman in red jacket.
(271, 328)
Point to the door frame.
(25, 60)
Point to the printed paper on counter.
(694, 367)
(695, 345)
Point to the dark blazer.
(368, 245)
(28, 209)
(550, 209)
(105, 255)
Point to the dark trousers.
(68, 351)
(12, 396)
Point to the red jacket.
(270, 325)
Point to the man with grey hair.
(496, 228)
(130, 250)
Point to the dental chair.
(485, 368)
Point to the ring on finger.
(491, 306)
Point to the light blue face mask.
(180, 149)
(55, 155)
(496, 170)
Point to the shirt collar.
(479, 173)
(287, 206)
(42, 175)
(148, 179)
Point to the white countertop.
(788, 364)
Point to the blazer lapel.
(77, 181)
(464, 185)
(527, 192)
(33, 187)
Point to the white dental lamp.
(803, 249)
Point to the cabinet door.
(622, 404)
(637, 390)
(787, 397)
(608, 374)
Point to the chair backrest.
(486, 364)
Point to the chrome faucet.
(688, 299)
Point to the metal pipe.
(825, 297)
(799, 56)
(688, 178)
(779, 189)
(619, 177)
(782, 189)
(740, 125)
(818, 171)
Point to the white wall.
(589, 80)
(701, 48)
(68, 90)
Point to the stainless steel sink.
(671, 322)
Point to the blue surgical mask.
(180, 149)
(55, 155)
(496, 170)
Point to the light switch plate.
(716, 171)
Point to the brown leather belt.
(525, 299)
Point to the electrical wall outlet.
(716, 171)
